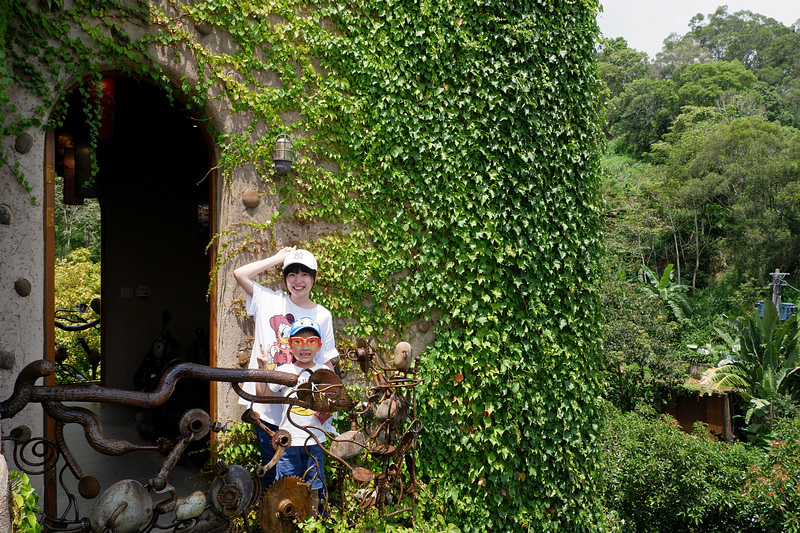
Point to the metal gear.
(281, 439)
(232, 491)
(228, 497)
(288, 499)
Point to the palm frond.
(726, 376)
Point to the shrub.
(24, 504)
(77, 281)
(657, 478)
(237, 445)
(771, 495)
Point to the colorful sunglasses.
(312, 342)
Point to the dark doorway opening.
(153, 184)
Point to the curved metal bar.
(275, 458)
(26, 392)
(266, 399)
(72, 503)
(81, 327)
(61, 442)
(23, 387)
(39, 453)
(92, 428)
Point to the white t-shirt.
(274, 313)
(305, 418)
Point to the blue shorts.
(308, 465)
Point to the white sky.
(644, 24)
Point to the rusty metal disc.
(361, 474)
(288, 499)
(324, 392)
(231, 493)
(195, 424)
(281, 439)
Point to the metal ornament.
(285, 501)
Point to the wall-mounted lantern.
(283, 154)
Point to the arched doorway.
(154, 185)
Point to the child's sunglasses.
(312, 342)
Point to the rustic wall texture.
(446, 176)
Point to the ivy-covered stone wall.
(447, 178)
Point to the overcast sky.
(644, 24)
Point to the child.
(304, 458)
(274, 313)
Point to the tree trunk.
(677, 248)
(696, 252)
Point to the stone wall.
(5, 516)
(22, 254)
(22, 271)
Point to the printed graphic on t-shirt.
(280, 352)
(302, 411)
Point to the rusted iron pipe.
(26, 392)
(92, 429)
(194, 425)
(160, 483)
(263, 469)
(268, 399)
(23, 387)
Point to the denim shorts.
(305, 462)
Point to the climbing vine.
(482, 128)
(454, 144)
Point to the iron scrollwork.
(383, 425)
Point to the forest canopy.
(701, 183)
(712, 120)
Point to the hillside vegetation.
(701, 181)
(701, 178)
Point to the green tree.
(687, 191)
(781, 102)
(704, 84)
(762, 362)
(632, 219)
(76, 226)
(782, 54)
(743, 174)
(676, 53)
(641, 114)
(77, 283)
(742, 36)
(619, 65)
(639, 346)
(759, 185)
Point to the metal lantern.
(283, 154)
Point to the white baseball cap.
(302, 257)
(305, 323)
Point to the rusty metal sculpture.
(384, 424)
(391, 428)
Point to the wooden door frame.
(49, 181)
